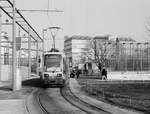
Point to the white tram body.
(54, 69)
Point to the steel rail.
(37, 98)
(71, 98)
(40, 104)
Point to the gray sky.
(90, 17)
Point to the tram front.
(53, 69)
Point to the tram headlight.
(46, 75)
(59, 75)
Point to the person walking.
(104, 73)
(77, 73)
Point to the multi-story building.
(75, 46)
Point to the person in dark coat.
(104, 72)
(77, 73)
(72, 75)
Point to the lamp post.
(0, 39)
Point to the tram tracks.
(40, 103)
(69, 96)
(36, 98)
(79, 103)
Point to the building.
(76, 45)
(73, 48)
(5, 48)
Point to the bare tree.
(98, 51)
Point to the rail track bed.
(34, 105)
(38, 97)
(79, 103)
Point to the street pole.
(0, 40)
(37, 60)
(117, 55)
(141, 53)
(14, 79)
(138, 56)
(131, 60)
(18, 70)
(29, 53)
(19, 49)
(133, 56)
(95, 48)
(148, 55)
(43, 40)
(43, 50)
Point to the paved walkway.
(12, 106)
(75, 88)
(10, 103)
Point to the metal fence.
(130, 57)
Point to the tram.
(55, 69)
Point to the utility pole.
(14, 79)
(29, 53)
(117, 54)
(0, 40)
(95, 48)
(37, 60)
(148, 52)
(43, 49)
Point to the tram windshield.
(53, 62)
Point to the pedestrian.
(104, 73)
(72, 74)
(77, 73)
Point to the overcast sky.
(90, 17)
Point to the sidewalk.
(11, 102)
(12, 106)
(75, 88)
